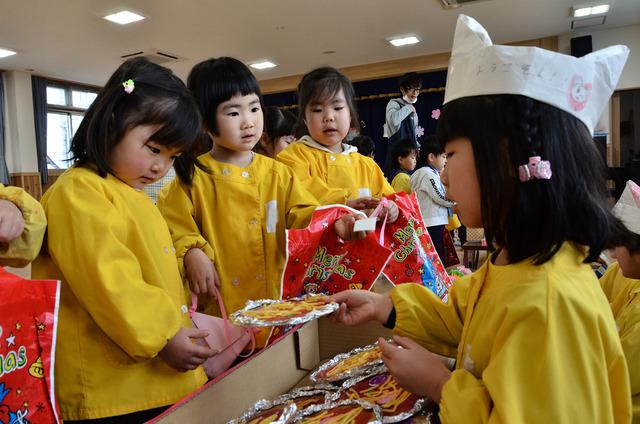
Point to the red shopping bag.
(414, 258)
(27, 346)
(319, 262)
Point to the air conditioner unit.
(154, 55)
(452, 4)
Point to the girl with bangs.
(332, 170)
(229, 225)
(125, 346)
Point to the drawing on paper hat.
(628, 207)
(579, 86)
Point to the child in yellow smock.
(330, 169)
(405, 158)
(125, 348)
(621, 285)
(22, 227)
(532, 331)
(229, 225)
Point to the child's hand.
(344, 227)
(363, 203)
(360, 306)
(11, 221)
(182, 354)
(391, 209)
(201, 273)
(414, 367)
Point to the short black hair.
(363, 143)
(533, 219)
(631, 241)
(216, 80)
(322, 84)
(402, 149)
(430, 145)
(158, 98)
(410, 80)
(278, 122)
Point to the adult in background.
(401, 117)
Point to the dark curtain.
(39, 89)
(4, 172)
(373, 98)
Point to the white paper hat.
(580, 86)
(628, 207)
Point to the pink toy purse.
(228, 339)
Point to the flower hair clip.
(129, 86)
(535, 169)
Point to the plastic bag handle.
(384, 202)
(223, 312)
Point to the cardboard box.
(271, 372)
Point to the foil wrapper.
(288, 400)
(308, 414)
(377, 381)
(242, 319)
(320, 374)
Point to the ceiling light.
(263, 65)
(584, 10)
(124, 17)
(404, 41)
(603, 8)
(5, 53)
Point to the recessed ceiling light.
(404, 41)
(124, 17)
(263, 65)
(590, 9)
(5, 53)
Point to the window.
(66, 106)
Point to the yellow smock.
(624, 297)
(401, 183)
(238, 217)
(121, 298)
(334, 178)
(535, 344)
(19, 252)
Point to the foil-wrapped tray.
(354, 363)
(380, 388)
(271, 313)
(282, 409)
(341, 412)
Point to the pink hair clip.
(536, 169)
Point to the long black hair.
(158, 98)
(534, 218)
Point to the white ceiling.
(68, 39)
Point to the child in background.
(22, 227)
(278, 131)
(332, 171)
(125, 346)
(425, 182)
(621, 285)
(533, 333)
(364, 144)
(228, 227)
(405, 154)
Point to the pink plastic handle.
(384, 202)
(225, 318)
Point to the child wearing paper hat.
(621, 285)
(532, 331)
